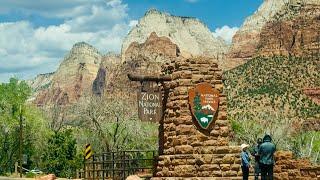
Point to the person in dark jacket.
(245, 161)
(256, 155)
(266, 160)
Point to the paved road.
(8, 178)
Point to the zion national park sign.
(204, 103)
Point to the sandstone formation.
(245, 41)
(313, 93)
(189, 34)
(40, 83)
(149, 56)
(277, 28)
(74, 76)
(108, 72)
(311, 125)
(292, 32)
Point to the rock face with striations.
(108, 72)
(148, 56)
(294, 31)
(42, 81)
(277, 28)
(74, 77)
(189, 34)
(245, 41)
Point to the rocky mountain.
(277, 27)
(147, 57)
(74, 76)
(293, 31)
(189, 34)
(41, 81)
(245, 41)
(109, 70)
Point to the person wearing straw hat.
(245, 161)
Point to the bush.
(60, 156)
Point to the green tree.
(197, 102)
(60, 157)
(13, 102)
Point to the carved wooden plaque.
(204, 104)
(150, 106)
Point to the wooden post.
(103, 168)
(112, 165)
(84, 167)
(16, 168)
(21, 141)
(142, 78)
(124, 164)
(93, 167)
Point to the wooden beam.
(134, 77)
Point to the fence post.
(112, 165)
(154, 162)
(103, 166)
(16, 167)
(84, 167)
(124, 164)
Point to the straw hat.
(244, 146)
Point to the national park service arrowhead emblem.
(204, 103)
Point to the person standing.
(266, 152)
(245, 161)
(256, 155)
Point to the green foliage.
(307, 145)
(112, 124)
(30, 175)
(265, 95)
(60, 156)
(273, 86)
(13, 97)
(197, 103)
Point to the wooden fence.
(119, 165)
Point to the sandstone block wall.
(187, 150)
(289, 168)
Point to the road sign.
(88, 152)
(150, 106)
(204, 103)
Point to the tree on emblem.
(197, 103)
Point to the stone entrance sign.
(204, 103)
(150, 106)
(189, 150)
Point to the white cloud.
(49, 8)
(26, 50)
(225, 33)
(133, 23)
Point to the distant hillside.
(269, 87)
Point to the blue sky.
(214, 13)
(34, 37)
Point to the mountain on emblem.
(208, 107)
(204, 102)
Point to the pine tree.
(197, 102)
